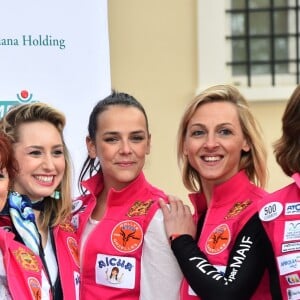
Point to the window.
(253, 44)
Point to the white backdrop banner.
(56, 52)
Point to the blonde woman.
(39, 203)
(223, 160)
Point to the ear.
(91, 147)
(184, 150)
(148, 144)
(245, 147)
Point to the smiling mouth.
(44, 179)
(212, 158)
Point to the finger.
(187, 210)
(180, 207)
(173, 197)
(164, 207)
(174, 205)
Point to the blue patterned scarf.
(22, 215)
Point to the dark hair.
(286, 148)
(92, 165)
(7, 158)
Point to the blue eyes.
(221, 132)
(225, 132)
(198, 133)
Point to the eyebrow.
(42, 147)
(118, 132)
(218, 125)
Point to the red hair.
(7, 159)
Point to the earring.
(56, 195)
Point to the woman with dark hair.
(119, 220)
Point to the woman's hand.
(178, 218)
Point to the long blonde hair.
(55, 211)
(253, 162)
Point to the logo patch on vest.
(35, 288)
(292, 209)
(68, 227)
(237, 209)
(293, 293)
(73, 248)
(218, 240)
(76, 205)
(291, 230)
(270, 211)
(292, 279)
(27, 259)
(139, 208)
(288, 263)
(289, 247)
(115, 271)
(127, 236)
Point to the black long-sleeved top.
(244, 269)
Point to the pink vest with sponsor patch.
(111, 258)
(23, 268)
(232, 205)
(280, 215)
(67, 255)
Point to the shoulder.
(156, 192)
(257, 193)
(284, 199)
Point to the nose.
(48, 162)
(125, 147)
(211, 141)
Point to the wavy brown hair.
(7, 158)
(287, 147)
